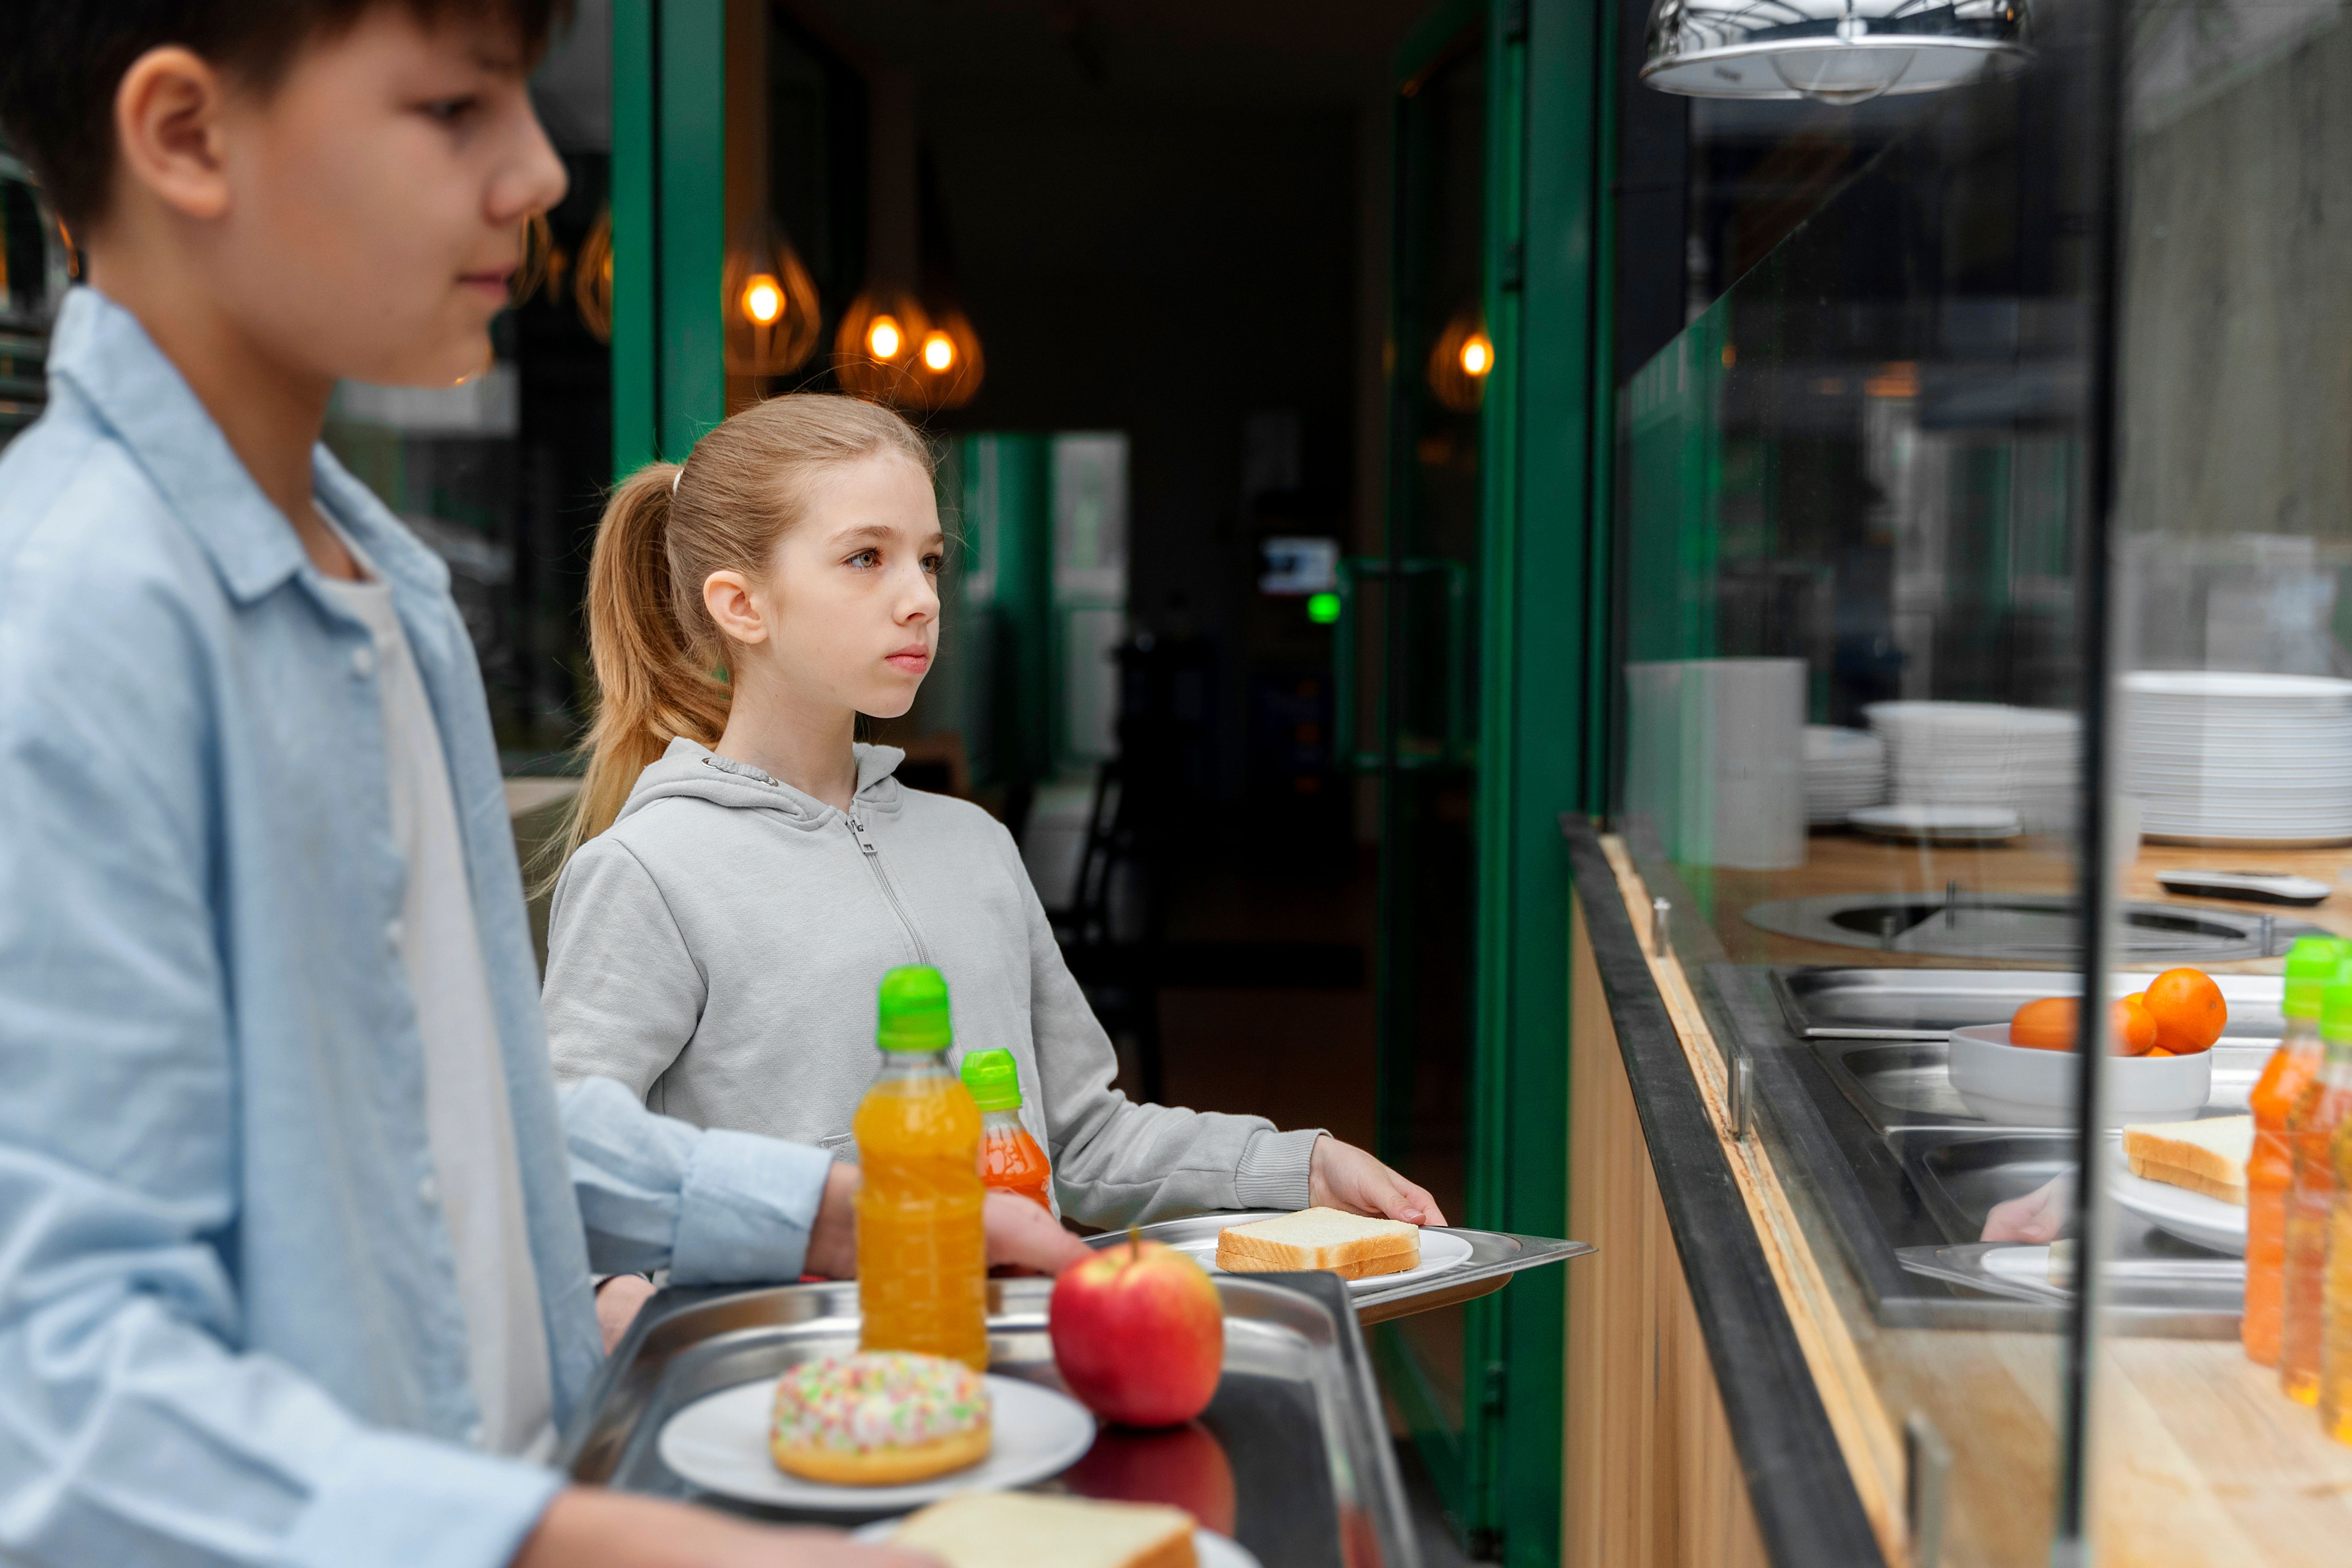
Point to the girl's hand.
(1341, 1175)
(1025, 1235)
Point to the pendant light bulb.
(769, 302)
(1477, 354)
(883, 339)
(939, 351)
(763, 299)
(1460, 361)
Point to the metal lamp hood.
(1832, 51)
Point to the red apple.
(1138, 1333)
(1183, 1467)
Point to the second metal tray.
(1295, 1439)
(1494, 1256)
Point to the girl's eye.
(935, 564)
(865, 558)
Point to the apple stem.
(1134, 1246)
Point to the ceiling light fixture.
(768, 301)
(1461, 360)
(1831, 51)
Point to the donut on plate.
(882, 1419)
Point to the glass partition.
(2232, 783)
(1854, 506)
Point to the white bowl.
(2018, 1086)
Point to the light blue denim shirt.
(229, 1332)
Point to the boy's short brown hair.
(61, 61)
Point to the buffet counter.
(1748, 1380)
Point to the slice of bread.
(2208, 1156)
(1346, 1245)
(1032, 1530)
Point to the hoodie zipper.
(874, 859)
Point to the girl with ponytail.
(741, 872)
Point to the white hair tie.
(675, 478)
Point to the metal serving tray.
(1829, 1003)
(2157, 1284)
(1494, 1256)
(1314, 1477)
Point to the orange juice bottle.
(2270, 1171)
(922, 1256)
(2336, 1304)
(2311, 1127)
(1010, 1159)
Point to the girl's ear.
(728, 597)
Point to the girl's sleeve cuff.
(1273, 1172)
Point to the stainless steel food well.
(1296, 1415)
(1494, 1256)
(1833, 1003)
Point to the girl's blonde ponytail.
(666, 530)
(653, 681)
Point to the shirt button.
(429, 1191)
(364, 662)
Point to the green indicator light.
(1323, 609)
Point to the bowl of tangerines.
(2026, 1072)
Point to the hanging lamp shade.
(877, 350)
(1460, 360)
(1831, 51)
(948, 363)
(768, 303)
(591, 278)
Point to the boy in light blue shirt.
(295, 1233)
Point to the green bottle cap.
(914, 1010)
(994, 1079)
(2311, 963)
(2335, 1006)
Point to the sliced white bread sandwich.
(1032, 1530)
(1347, 1245)
(2208, 1156)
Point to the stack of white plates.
(2223, 758)
(1845, 769)
(1982, 754)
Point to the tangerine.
(2189, 1011)
(2135, 1026)
(2048, 1024)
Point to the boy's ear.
(168, 130)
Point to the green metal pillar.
(1544, 518)
(1009, 512)
(669, 159)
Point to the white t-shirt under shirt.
(471, 1128)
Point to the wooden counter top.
(2200, 1459)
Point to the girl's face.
(847, 616)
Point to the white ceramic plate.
(1214, 1551)
(720, 1443)
(2194, 1217)
(1439, 1252)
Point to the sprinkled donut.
(878, 1419)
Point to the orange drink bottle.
(2335, 1303)
(1010, 1159)
(2270, 1172)
(2322, 1107)
(922, 1256)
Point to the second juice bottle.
(922, 1249)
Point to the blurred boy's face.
(367, 211)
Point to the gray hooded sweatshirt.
(720, 947)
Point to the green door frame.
(669, 222)
(1547, 433)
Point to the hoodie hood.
(695, 771)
